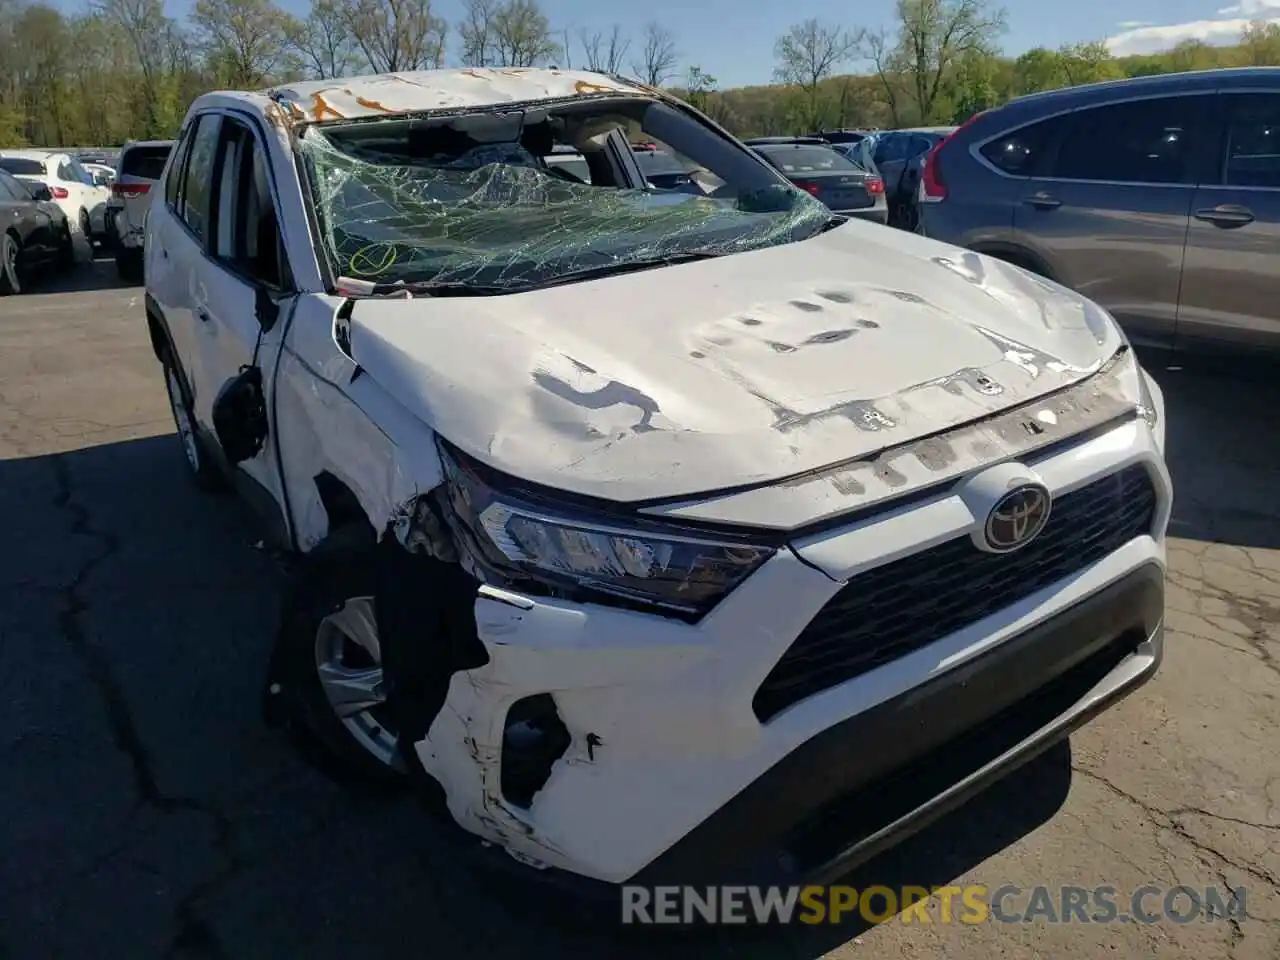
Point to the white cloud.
(1154, 39)
(1133, 24)
(1250, 9)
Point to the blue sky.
(733, 39)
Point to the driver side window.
(248, 239)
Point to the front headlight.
(589, 558)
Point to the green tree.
(1260, 44)
(396, 35)
(247, 40)
(321, 43)
(1038, 69)
(698, 88)
(806, 54)
(974, 87)
(1088, 63)
(934, 36)
(657, 60)
(522, 35)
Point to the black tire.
(129, 265)
(201, 467)
(10, 250)
(335, 572)
(66, 246)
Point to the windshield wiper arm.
(420, 288)
(620, 266)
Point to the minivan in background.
(1156, 197)
(141, 166)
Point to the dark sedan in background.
(33, 231)
(828, 175)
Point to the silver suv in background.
(1158, 198)
(141, 166)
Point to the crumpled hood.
(735, 371)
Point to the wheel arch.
(341, 505)
(158, 329)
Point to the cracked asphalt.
(146, 811)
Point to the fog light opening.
(533, 739)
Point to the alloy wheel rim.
(348, 659)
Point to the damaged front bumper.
(646, 750)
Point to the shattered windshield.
(474, 201)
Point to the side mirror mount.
(240, 416)
(266, 309)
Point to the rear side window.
(1141, 141)
(1253, 141)
(23, 166)
(1019, 152)
(145, 162)
(806, 159)
(890, 148)
(9, 190)
(197, 187)
(173, 185)
(921, 145)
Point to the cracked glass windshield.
(499, 202)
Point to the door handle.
(1042, 201)
(1226, 216)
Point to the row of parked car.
(47, 198)
(889, 162)
(1158, 197)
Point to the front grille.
(892, 610)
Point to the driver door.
(243, 271)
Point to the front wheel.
(329, 658)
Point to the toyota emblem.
(1017, 518)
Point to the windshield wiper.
(620, 266)
(419, 288)
(438, 288)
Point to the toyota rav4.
(664, 536)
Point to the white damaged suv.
(667, 536)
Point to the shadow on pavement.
(94, 270)
(150, 812)
(1222, 447)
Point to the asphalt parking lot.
(145, 810)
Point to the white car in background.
(71, 185)
(103, 175)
